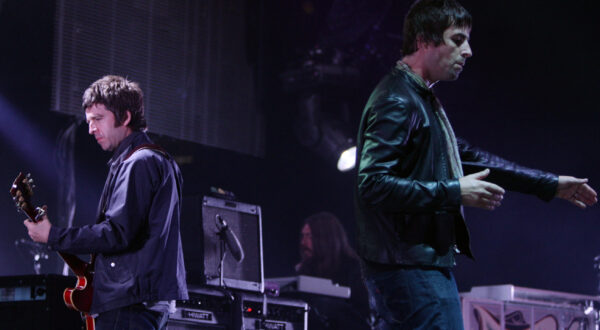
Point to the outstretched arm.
(576, 191)
(508, 174)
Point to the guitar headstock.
(22, 192)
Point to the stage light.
(347, 159)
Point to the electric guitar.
(78, 298)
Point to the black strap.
(163, 152)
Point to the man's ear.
(421, 44)
(127, 118)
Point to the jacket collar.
(132, 140)
(416, 82)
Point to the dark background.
(528, 94)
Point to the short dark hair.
(427, 20)
(330, 246)
(118, 95)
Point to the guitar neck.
(22, 192)
(31, 213)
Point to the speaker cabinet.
(245, 222)
(203, 248)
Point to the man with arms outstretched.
(411, 186)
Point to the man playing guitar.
(138, 267)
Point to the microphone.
(233, 243)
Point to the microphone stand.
(223, 251)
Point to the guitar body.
(80, 297)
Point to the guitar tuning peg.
(28, 175)
(30, 181)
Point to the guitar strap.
(161, 151)
(150, 146)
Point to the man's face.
(446, 60)
(101, 124)
(306, 247)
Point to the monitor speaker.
(204, 246)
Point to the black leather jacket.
(408, 206)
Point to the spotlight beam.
(27, 140)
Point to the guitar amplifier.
(206, 309)
(260, 312)
(35, 302)
(203, 248)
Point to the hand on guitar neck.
(38, 231)
(38, 226)
(37, 223)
